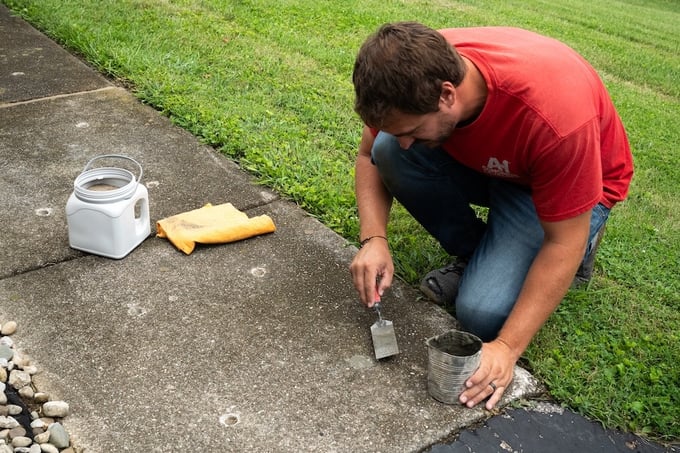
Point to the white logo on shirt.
(497, 168)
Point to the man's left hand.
(492, 377)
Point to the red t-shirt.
(548, 122)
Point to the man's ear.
(448, 94)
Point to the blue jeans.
(438, 192)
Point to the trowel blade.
(384, 339)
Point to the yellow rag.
(212, 225)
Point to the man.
(496, 117)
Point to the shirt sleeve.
(567, 177)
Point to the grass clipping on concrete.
(268, 83)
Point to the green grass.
(268, 83)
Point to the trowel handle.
(376, 296)
(376, 303)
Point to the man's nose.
(405, 142)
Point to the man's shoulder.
(546, 76)
(507, 44)
(489, 34)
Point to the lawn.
(268, 84)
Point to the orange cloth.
(212, 225)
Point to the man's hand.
(372, 265)
(496, 367)
(546, 284)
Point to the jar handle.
(118, 156)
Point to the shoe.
(441, 285)
(585, 271)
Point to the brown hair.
(402, 66)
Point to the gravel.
(30, 421)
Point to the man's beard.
(446, 128)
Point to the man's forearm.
(546, 284)
(547, 281)
(373, 199)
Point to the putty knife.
(382, 331)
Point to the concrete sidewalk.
(258, 345)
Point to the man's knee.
(476, 320)
(484, 312)
(384, 148)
